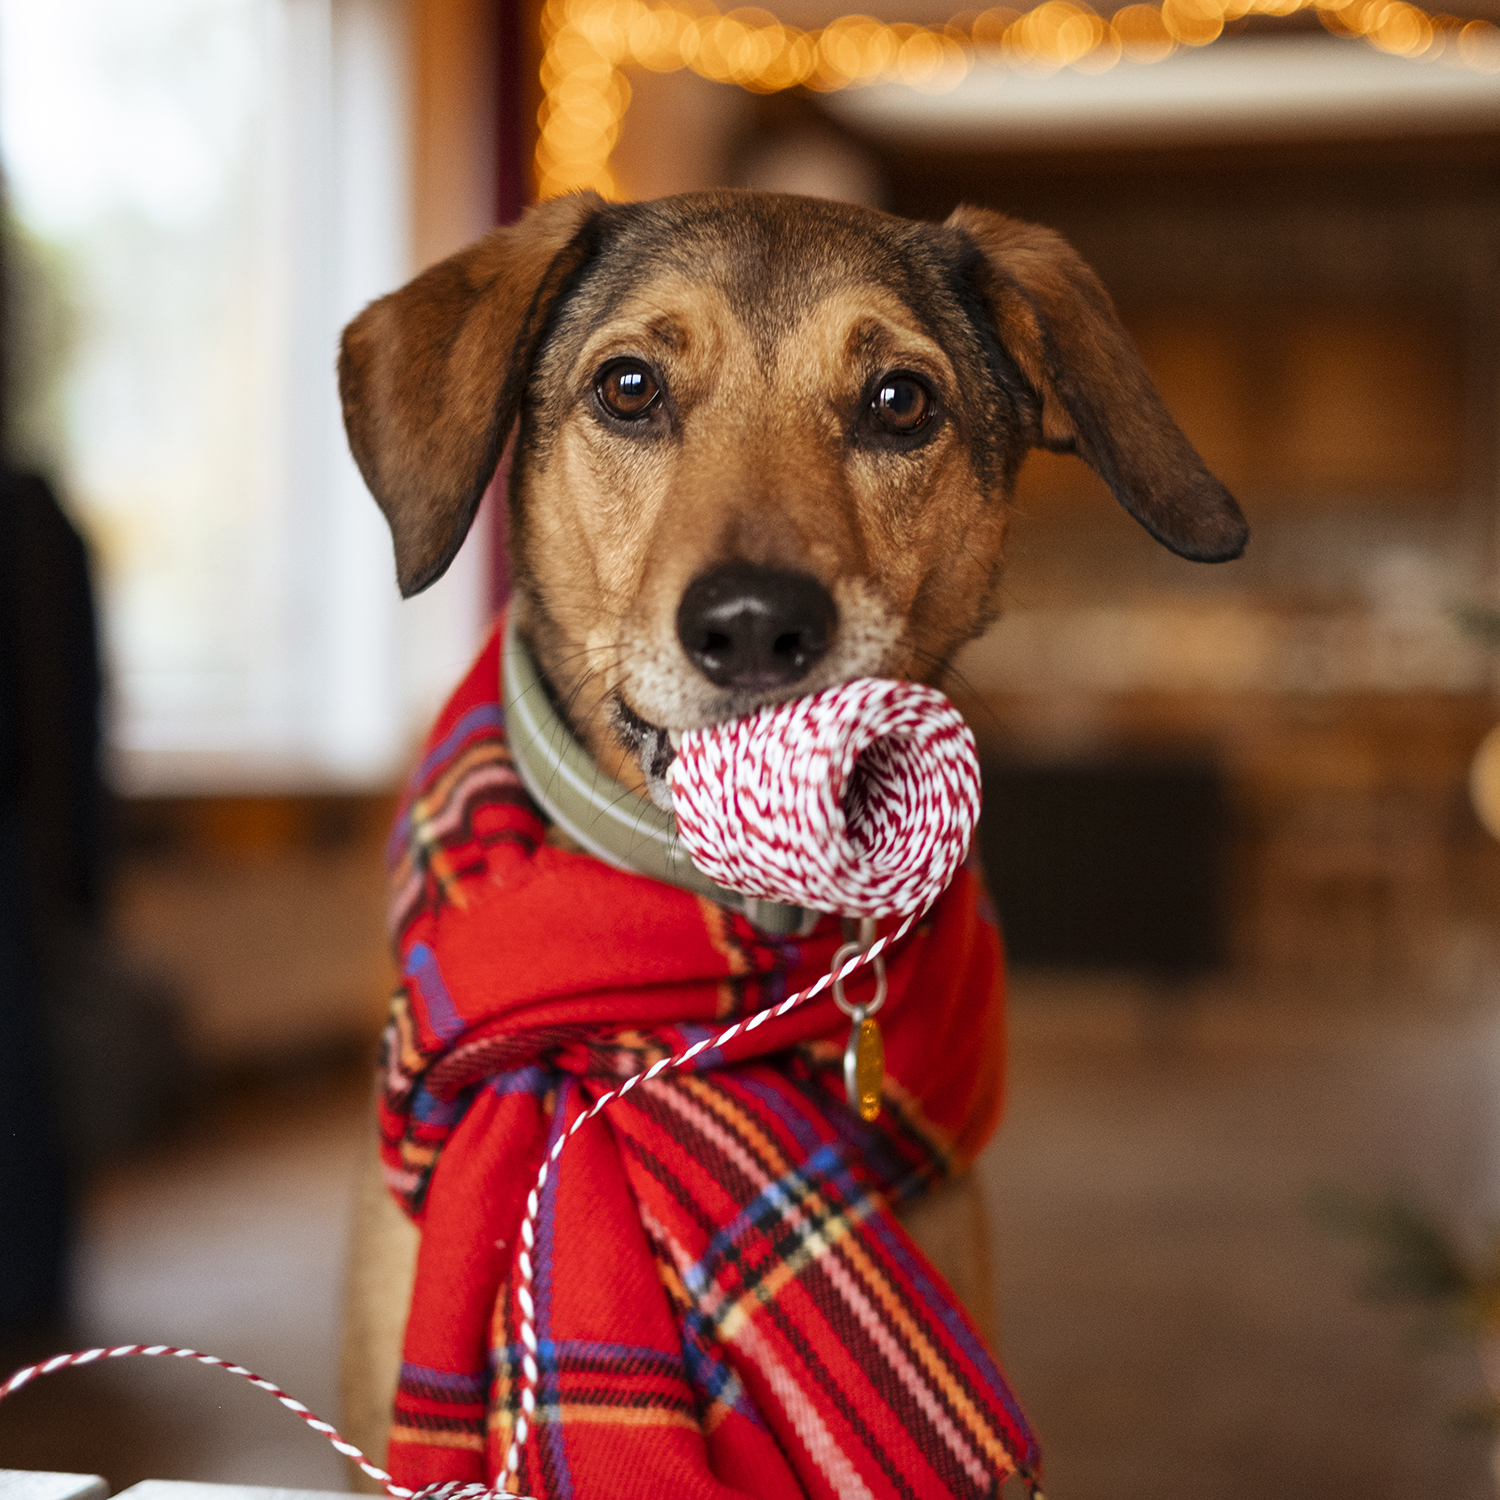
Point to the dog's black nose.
(754, 628)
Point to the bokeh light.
(589, 43)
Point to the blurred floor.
(1174, 1322)
(232, 1242)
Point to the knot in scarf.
(723, 1305)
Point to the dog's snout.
(753, 628)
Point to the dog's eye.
(901, 404)
(627, 390)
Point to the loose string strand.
(450, 1491)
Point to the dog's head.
(766, 443)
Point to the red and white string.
(450, 1491)
(861, 799)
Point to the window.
(216, 187)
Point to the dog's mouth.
(655, 747)
(737, 656)
(650, 744)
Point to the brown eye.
(901, 404)
(627, 390)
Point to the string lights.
(588, 45)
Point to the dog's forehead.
(844, 331)
(772, 259)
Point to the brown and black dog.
(766, 444)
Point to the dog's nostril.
(754, 628)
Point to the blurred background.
(1254, 920)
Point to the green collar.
(605, 818)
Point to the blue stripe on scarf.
(422, 969)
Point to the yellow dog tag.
(864, 1067)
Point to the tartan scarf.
(724, 1304)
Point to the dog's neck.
(594, 810)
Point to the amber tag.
(864, 1068)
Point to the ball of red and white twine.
(859, 800)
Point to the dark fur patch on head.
(775, 258)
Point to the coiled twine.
(859, 800)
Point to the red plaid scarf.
(724, 1304)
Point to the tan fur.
(377, 1290)
(769, 321)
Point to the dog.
(763, 445)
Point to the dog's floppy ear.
(431, 377)
(1054, 318)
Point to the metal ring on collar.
(840, 999)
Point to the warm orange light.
(588, 44)
(1194, 23)
(1484, 782)
(1479, 46)
(1143, 34)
